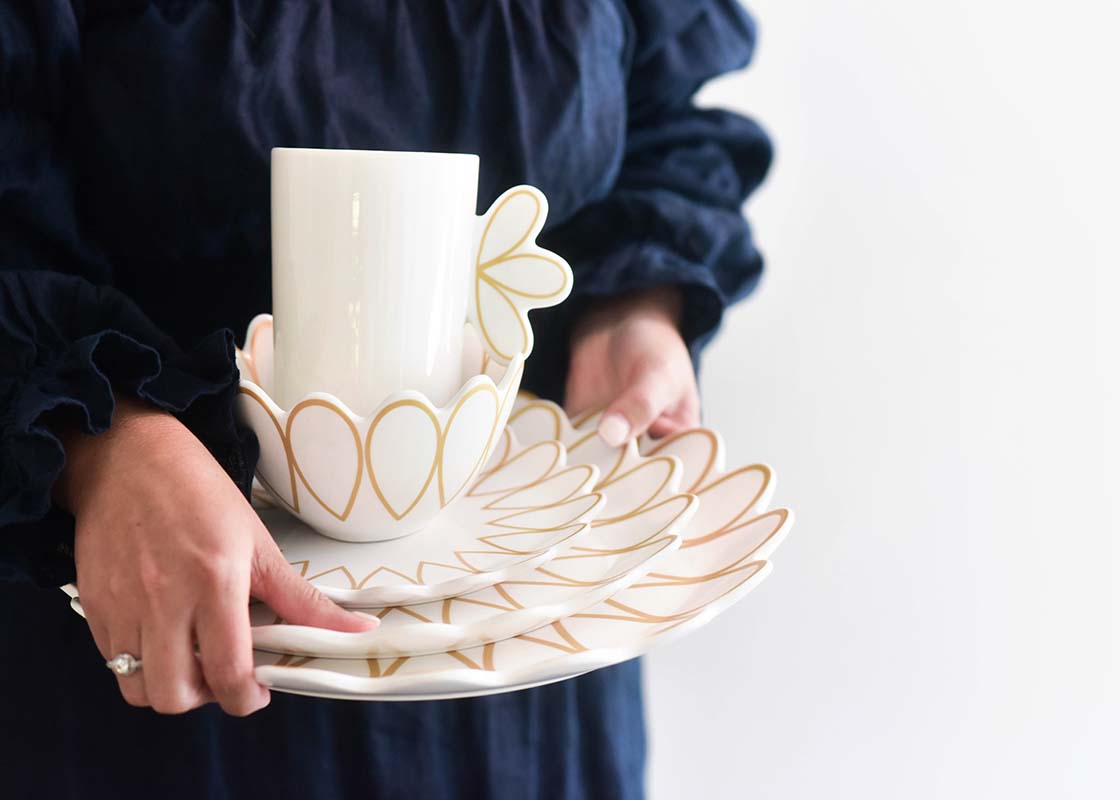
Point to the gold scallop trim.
(690, 502)
(571, 427)
(486, 388)
(654, 545)
(503, 290)
(510, 604)
(583, 504)
(503, 399)
(294, 461)
(551, 538)
(579, 420)
(713, 451)
(781, 515)
(632, 614)
(287, 452)
(534, 405)
(731, 523)
(585, 484)
(369, 456)
(645, 465)
(506, 445)
(557, 452)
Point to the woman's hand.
(168, 552)
(628, 355)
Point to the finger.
(665, 425)
(225, 647)
(100, 637)
(686, 415)
(172, 676)
(296, 600)
(133, 687)
(637, 407)
(580, 395)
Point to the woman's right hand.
(168, 553)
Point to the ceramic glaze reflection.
(372, 267)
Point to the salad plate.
(523, 508)
(531, 500)
(614, 556)
(689, 589)
(652, 612)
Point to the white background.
(931, 368)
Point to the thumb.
(637, 407)
(296, 600)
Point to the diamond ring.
(124, 664)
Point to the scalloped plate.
(724, 555)
(523, 508)
(517, 514)
(615, 555)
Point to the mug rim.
(375, 154)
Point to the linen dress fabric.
(134, 236)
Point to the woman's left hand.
(628, 356)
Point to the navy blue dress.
(134, 236)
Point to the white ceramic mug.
(372, 272)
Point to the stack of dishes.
(565, 555)
(501, 544)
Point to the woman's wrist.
(663, 303)
(135, 424)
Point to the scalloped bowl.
(389, 474)
(365, 479)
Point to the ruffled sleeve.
(674, 215)
(69, 342)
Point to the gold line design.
(646, 464)
(781, 515)
(557, 453)
(533, 406)
(316, 403)
(676, 498)
(430, 415)
(630, 614)
(287, 451)
(656, 545)
(713, 451)
(492, 390)
(579, 420)
(583, 505)
(583, 485)
(512, 604)
(731, 523)
(503, 290)
(364, 454)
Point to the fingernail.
(614, 429)
(370, 617)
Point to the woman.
(134, 234)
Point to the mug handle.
(512, 275)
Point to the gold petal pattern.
(513, 275)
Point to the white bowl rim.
(512, 373)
